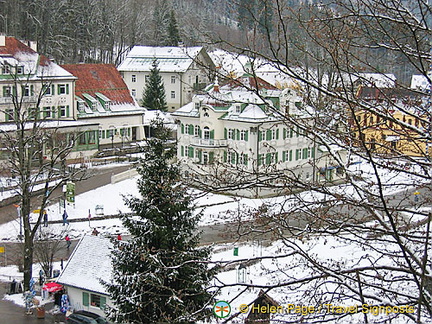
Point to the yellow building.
(392, 122)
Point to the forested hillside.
(73, 31)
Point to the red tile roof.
(102, 78)
(14, 46)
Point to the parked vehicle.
(99, 319)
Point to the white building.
(247, 134)
(102, 96)
(184, 70)
(89, 263)
(42, 91)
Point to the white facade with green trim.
(245, 132)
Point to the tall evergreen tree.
(173, 31)
(154, 91)
(160, 274)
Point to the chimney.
(2, 40)
(32, 45)
(216, 85)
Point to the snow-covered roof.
(170, 59)
(421, 82)
(35, 66)
(49, 124)
(89, 263)
(378, 80)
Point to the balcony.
(201, 142)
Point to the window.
(231, 133)
(173, 79)
(20, 70)
(197, 131)
(205, 157)
(133, 93)
(92, 137)
(7, 91)
(206, 133)
(243, 135)
(6, 69)
(147, 78)
(63, 111)
(47, 90)
(298, 154)
(237, 109)
(96, 300)
(26, 91)
(133, 77)
(9, 114)
(231, 157)
(47, 113)
(62, 89)
(173, 95)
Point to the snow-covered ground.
(221, 208)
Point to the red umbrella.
(52, 287)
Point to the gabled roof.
(100, 78)
(170, 59)
(16, 53)
(250, 82)
(89, 263)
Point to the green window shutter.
(58, 88)
(245, 159)
(191, 130)
(67, 88)
(290, 155)
(225, 133)
(284, 133)
(14, 91)
(277, 133)
(182, 150)
(291, 132)
(246, 135)
(225, 156)
(283, 156)
(305, 153)
(237, 134)
(212, 134)
(259, 136)
(85, 298)
(268, 158)
(103, 134)
(31, 90)
(313, 152)
(102, 302)
(200, 132)
(276, 157)
(52, 89)
(4, 91)
(236, 158)
(182, 128)
(191, 152)
(200, 156)
(268, 135)
(211, 157)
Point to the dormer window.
(6, 69)
(237, 109)
(197, 105)
(20, 70)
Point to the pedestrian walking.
(68, 241)
(45, 219)
(41, 277)
(65, 217)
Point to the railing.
(208, 142)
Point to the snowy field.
(217, 208)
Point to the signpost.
(3, 250)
